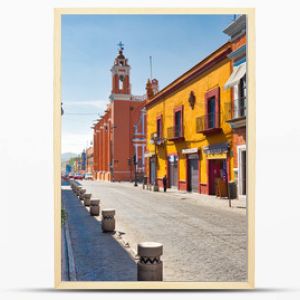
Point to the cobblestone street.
(201, 242)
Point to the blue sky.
(89, 47)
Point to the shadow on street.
(97, 255)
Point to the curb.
(70, 256)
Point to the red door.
(214, 172)
(217, 169)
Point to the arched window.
(121, 82)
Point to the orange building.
(90, 160)
(119, 134)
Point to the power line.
(81, 114)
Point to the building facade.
(119, 134)
(83, 161)
(237, 83)
(90, 160)
(188, 136)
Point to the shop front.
(217, 169)
(151, 167)
(192, 163)
(152, 170)
(173, 171)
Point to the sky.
(89, 46)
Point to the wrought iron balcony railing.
(240, 107)
(208, 123)
(175, 132)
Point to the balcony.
(208, 124)
(175, 133)
(239, 113)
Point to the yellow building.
(188, 139)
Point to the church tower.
(121, 89)
(119, 145)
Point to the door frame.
(188, 183)
(240, 149)
(169, 171)
(209, 173)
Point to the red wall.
(238, 138)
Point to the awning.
(190, 150)
(217, 151)
(236, 75)
(216, 156)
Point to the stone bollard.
(81, 193)
(73, 187)
(94, 207)
(87, 199)
(108, 220)
(150, 267)
(77, 190)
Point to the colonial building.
(83, 161)
(90, 160)
(188, 136)
(119, 135)
(237, 83)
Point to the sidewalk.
(237, 205)
(97, 256)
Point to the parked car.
(88, 176)
(78, 177)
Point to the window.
(212, 117)
(121, 82)
(242, 96)
(211, 112)
(178, 123)
(159, 127)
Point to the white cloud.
(73, 142)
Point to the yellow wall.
(214, 78)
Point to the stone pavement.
(202, 241)
(97, 256)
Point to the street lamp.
(135, 164)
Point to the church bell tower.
(120, 77)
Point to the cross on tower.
(121, 45)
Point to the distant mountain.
(67, 155)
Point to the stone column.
(108, 220)
(150, 267)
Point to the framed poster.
(154, 129)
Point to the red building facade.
(237, 82)
(119, 134)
